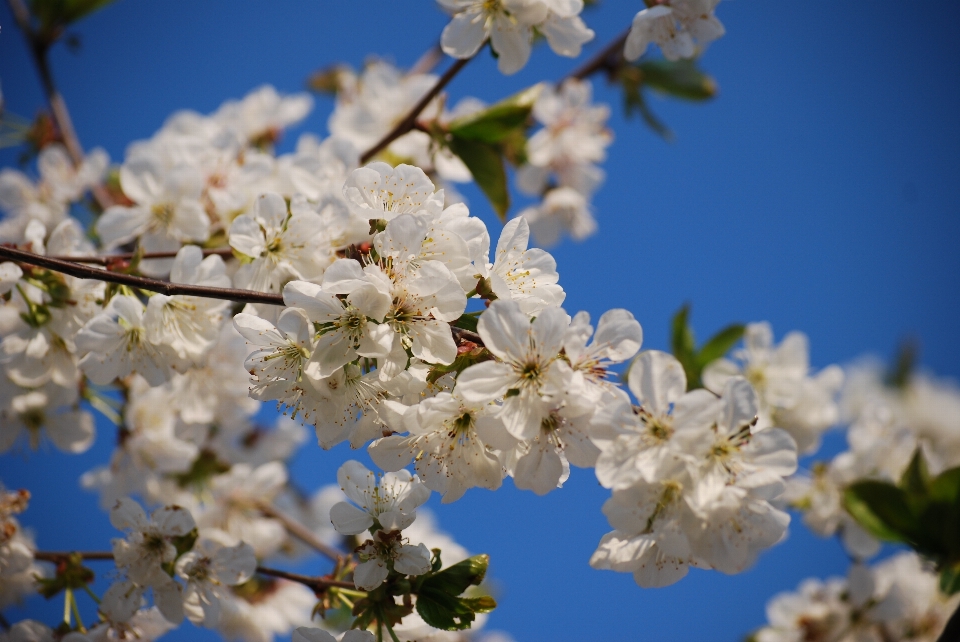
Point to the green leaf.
(683, 344)
(467, 322)
(945, 487)
(54, 14)
(438, 601)
(457, 578)
(499, 121)
(945, 506)
(950, 580)
(902, 369)
(679, 78)
(486, 164)
(634, 101)
(882, 509)
(719, 344)
(916, 479)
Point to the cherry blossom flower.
(389, 503)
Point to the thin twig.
(39, 48)
(56, 556)
(426, 63)
(152, 285)
(300, 531)
(110, 259)
(609, 59)
(407, 124)
(316, 583)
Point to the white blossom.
(390, 503)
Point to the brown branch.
(407, 124)
(111, 259)
(152, 285)
(300, 531)
(609, 59)
(315, 583)
(56, 556)
(430, 59)
(39, 48)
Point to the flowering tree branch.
(409, 122)
(141, 282)
(39, 46)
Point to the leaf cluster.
(70, 574)
(684, 347)
(440, 599)
(920, 511)
(679, 79)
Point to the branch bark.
(609, 59)
(56, 556)
(39, 49)
(141, 282)
(410, 120)
(300, 531)
(315, 583)
(111, 259)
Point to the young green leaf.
(950, 580)
(499, 121)
(720, 344)
(678, 78)
(916, 479)
(882, 509)
(683, 344)
(437, 595)
(486, 164)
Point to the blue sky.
(820, 191)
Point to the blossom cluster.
(897, 599)
(393, 323)
(509, 25)
(888, 422)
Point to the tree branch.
(141, 282)
(111, 259)
(407, 124)
(56, 556)
(609, 59)
(315, 583)
(39, 48)
(300, 531)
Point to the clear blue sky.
(819, 191)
